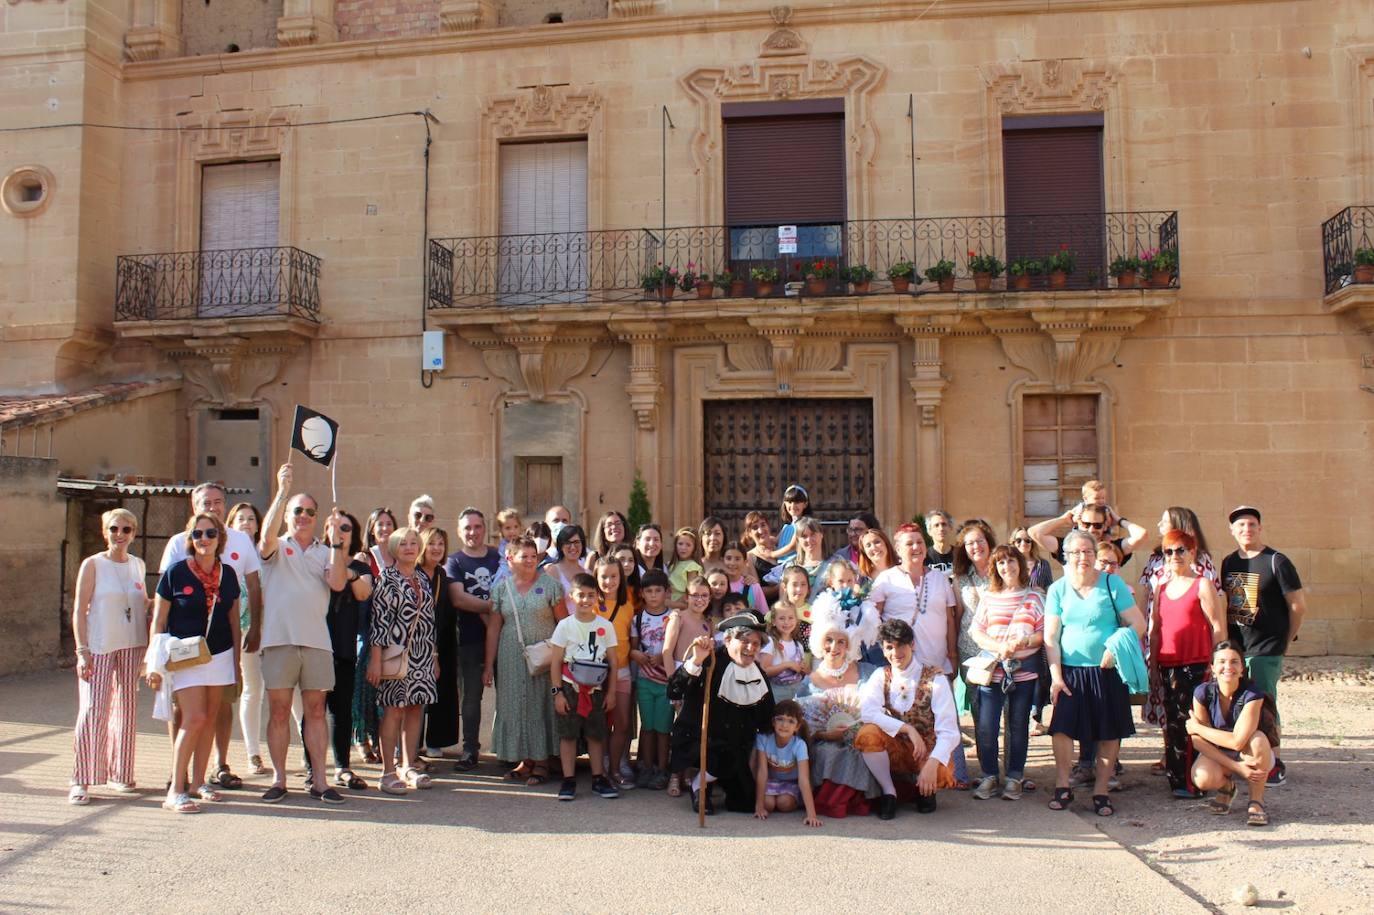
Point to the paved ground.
(474, 843)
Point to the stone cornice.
(623, 28)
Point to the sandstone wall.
(30, 566)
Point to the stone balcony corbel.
(467, 15)
(628, 9)
(230, 371)
(646, 383)
(306, 22)
(1062, 347)
(783, 333)
(535, 359)
(1354, 302)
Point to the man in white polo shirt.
(299, 572)
(240, 554)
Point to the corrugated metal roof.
(138, 486)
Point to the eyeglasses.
(858, 530)
(1108, 564)
(1021, 541)
(423, 517)
(1175, 551)
(116, 529)
(1092, 525)
(302, 510)
(572, 542)
(1079, 554)
(211, 534)
(696, 596)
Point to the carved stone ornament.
(646, 383)
(927, 380)
(783, 41)
(467, 15)
(533, 113)
(1053, 85)
(230, 371)
(536, 360)
(1063, 347)
(628, 9)
(150, 42)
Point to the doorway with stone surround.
(755, 448)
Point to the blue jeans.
(990, 702)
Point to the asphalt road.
(477, 844)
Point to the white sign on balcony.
(787, 239)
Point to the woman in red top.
(1188, 618)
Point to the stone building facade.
(1235, 137)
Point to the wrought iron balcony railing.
(232, 283)
(611, 265)
(1348, 239)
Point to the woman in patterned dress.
(403, 614)
(522, 730)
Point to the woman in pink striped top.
(1009, 624)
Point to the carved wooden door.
(757, 448)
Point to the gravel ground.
(475, 843)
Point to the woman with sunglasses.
(1041, 575)
(198, 597)
(110, 623)
(1187, 619)
(367, 715)
(423, 513)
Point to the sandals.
(207, 793)
(1221, 803)
(1063, 797)
(414, 778)
(345, 778)
(392, 784)
(1159, 768)
(181, 803)
(255, 765)
(1256, 817)
(1102, 805)
(77, 796)
(226, 779)
(370, 756)
(675, 785)
(538, 775)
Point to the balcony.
(1348, 262)
(233, 283)
(609, 267)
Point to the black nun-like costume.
(741, 709)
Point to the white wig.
(859, 624)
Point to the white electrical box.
(432, 351)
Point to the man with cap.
(741, 709)
(1265, 607)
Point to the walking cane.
(703, 792)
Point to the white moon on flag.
(317, 437)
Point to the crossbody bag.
(538, 656)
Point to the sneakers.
(602, 785)
(621, 783)
(1086, 778)
(1012, 790)
(645, 778)
(660, 782)
(568, 790)
(466, 763)
(987, 788)
(627, 777)
(1277, 775)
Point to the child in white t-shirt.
(583, 677)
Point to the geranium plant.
(1364, 257)
(822, 269)
(764, 274)
(943, 270)
(985, 263)
(659, 277)
(1026, 266)
(1062, 261)
(690, 278)
(1124, 265)
(901, 269)
(858, 273)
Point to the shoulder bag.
(538, 656)
(194, 650)
(396, 658)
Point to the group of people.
(746, 661)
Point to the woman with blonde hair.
(110, 623)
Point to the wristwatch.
(557, 690)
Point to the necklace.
(128, 585)
(825, 670)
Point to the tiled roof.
(27, 409)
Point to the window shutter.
(544, 206)
(240, 205)
(785, 170)
(1056, 173)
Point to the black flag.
(314, 435)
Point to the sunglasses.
(1176, 551)
(302, 510)
(422, 516)
(116, 529)
(346, 527)
(1092, 525)
(211, 534)
(1021, 541)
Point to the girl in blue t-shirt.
(782, 767)
(796, 504)
(1233, 733)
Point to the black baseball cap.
(1241, 511)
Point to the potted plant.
(660, 281)
(860, 276)
(1023, 270)
(1162, 265)
(985, 268)
(701, 282)
(1059, 265)
(901, 274)
(764, 278)
(942, 273)
(726, 281)
(1125, 269)
(818, 274)
(1364, 265)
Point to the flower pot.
(1126, 280)
(762, 289)
(862, 288)
(982, 282)
(1364, 273)
(901, 283)
(1021, 281)
(946, 283)
(736, 288)
(1058, 279)
(816, 285)
(666, 292)
(1161, 278)
(704, 290)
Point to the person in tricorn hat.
(741, 709)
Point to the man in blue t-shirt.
(1265, 607)
(470, 572)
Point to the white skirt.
(218, 672)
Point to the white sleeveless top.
(118, 617)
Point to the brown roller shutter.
(784, 170)
(1055, 173)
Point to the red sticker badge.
(188, 590)
(234, 556)
(290, 552)
(138, 586)
(601, 631)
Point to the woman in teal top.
(1091, 702)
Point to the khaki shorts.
(289, 666)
